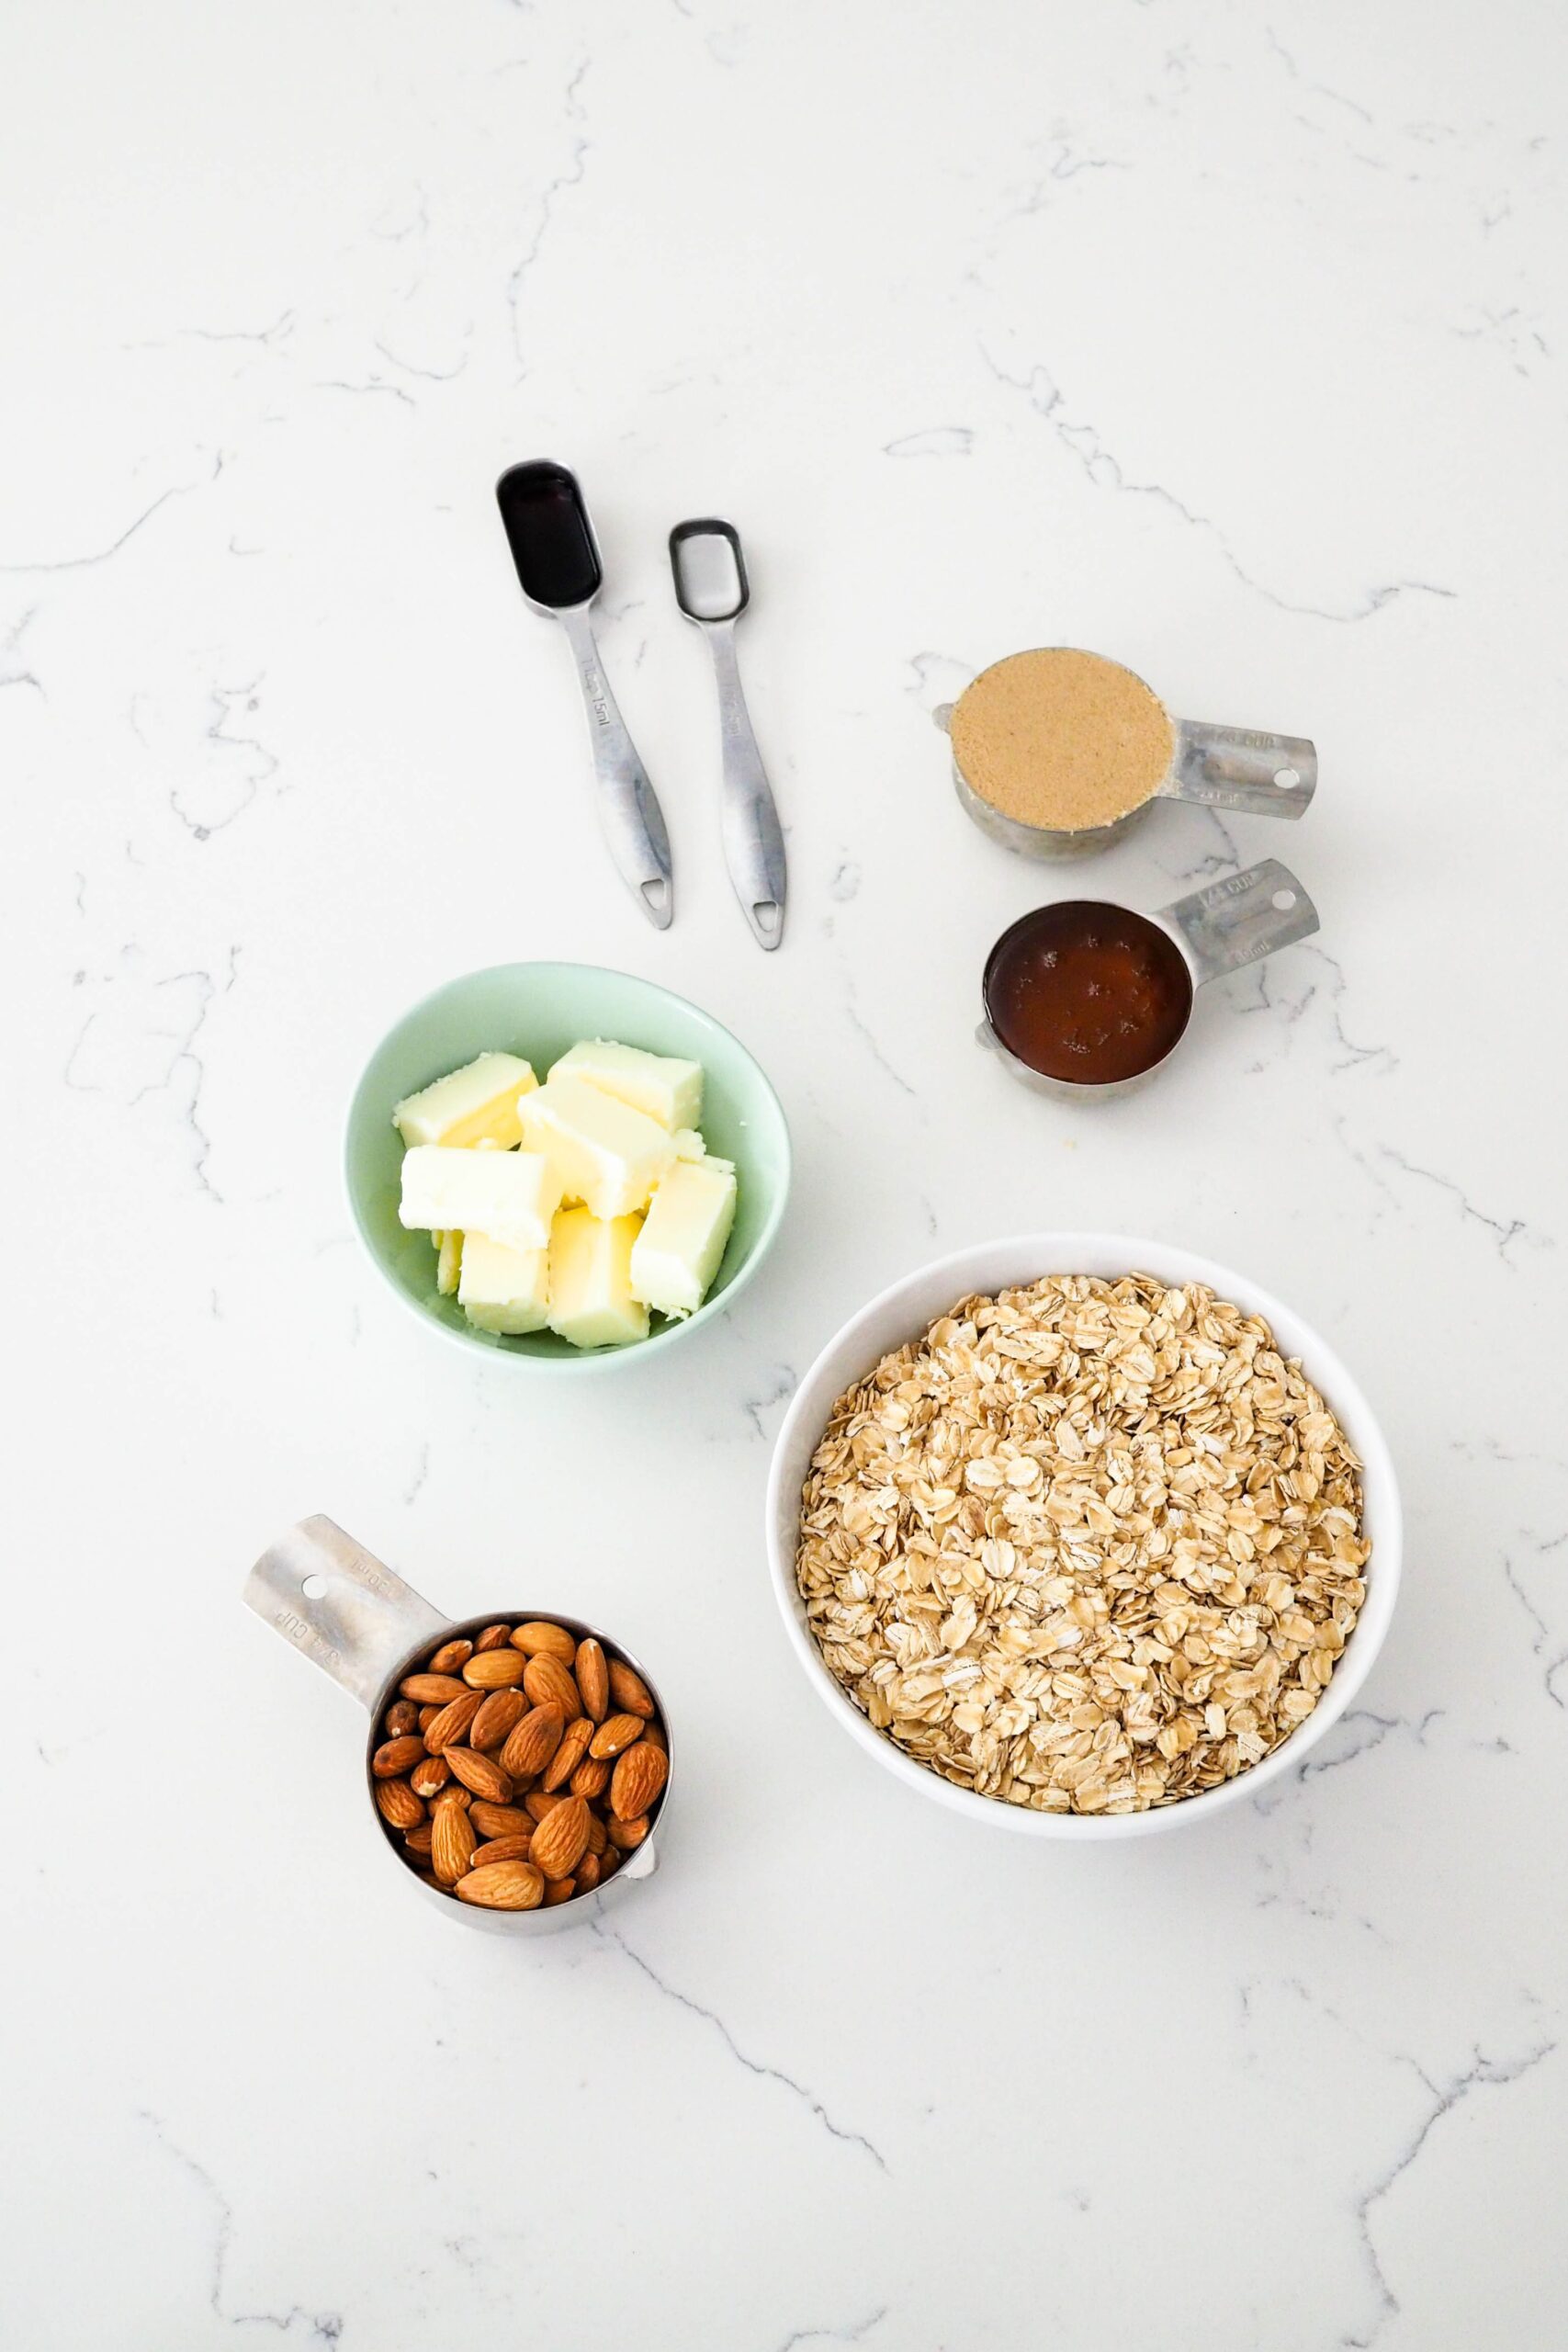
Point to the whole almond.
(502, 1850)
(451, 1842)
(500, 1820)
(568, 1754)
(495, 1718)
(654, 1734)
(539, 1639)
(493, 1669)
(430, 1689)
(451, 1657)
(628, 1834)
(615, 1732)
(549, 1684)
(639, 1777)
(452, 1723)
(629, 1691)
(403, 1717)
(560, 1890)
(396, 1756)
(532, 1742)
(494, 1637)
(598, 1843)
(536, 1804)
(591, 1779)
(417, 1839)
(398, 1805)
(588, 1873)
(592, 1679)
(430, 1775)
(504, 1886)
(453, 1793)
(561, 1839)
(609, 1861)
(427, 1716)
(481, 1773)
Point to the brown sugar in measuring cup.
(1087, 999)
(1061, 739)
(1056, 751)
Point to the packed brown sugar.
(1062, 738)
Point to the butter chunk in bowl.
(676, 1254)
(596, 1164)
(606, 1154)
(472, 1105)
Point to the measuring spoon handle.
(753, 838)
(1239, 920)
(630, 812)
(1237, 767)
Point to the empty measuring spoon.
(557, 558)
(712, 590)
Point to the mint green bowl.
(538, 1011)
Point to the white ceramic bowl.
(901, 1313)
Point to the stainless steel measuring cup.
(712, 590)
(557, 558)
(1214, 931)
(1236, 768)
(355, 1617)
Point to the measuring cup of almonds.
(1056, 752)
(516, 1767)
(1087, 999)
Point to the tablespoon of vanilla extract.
(712, 590)
(559, 569)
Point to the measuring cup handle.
(1236, 767)
(630, 812)
(1239, 920)
(339, 1606)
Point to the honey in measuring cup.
(1087, 992)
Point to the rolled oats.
(1086, 1546)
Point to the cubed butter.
(590, 1279)
(690, 1145)
(475, 1104)
(659, 1085)
(503, 1289)
(448, 1261)
(509, 1195)
(676, 1255)
(604, 1154)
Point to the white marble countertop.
(1223, 341)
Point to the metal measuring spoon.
(711, 589)
(1087, 999)
(557, 558)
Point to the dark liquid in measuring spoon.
(1088, 992)
(546, 529)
